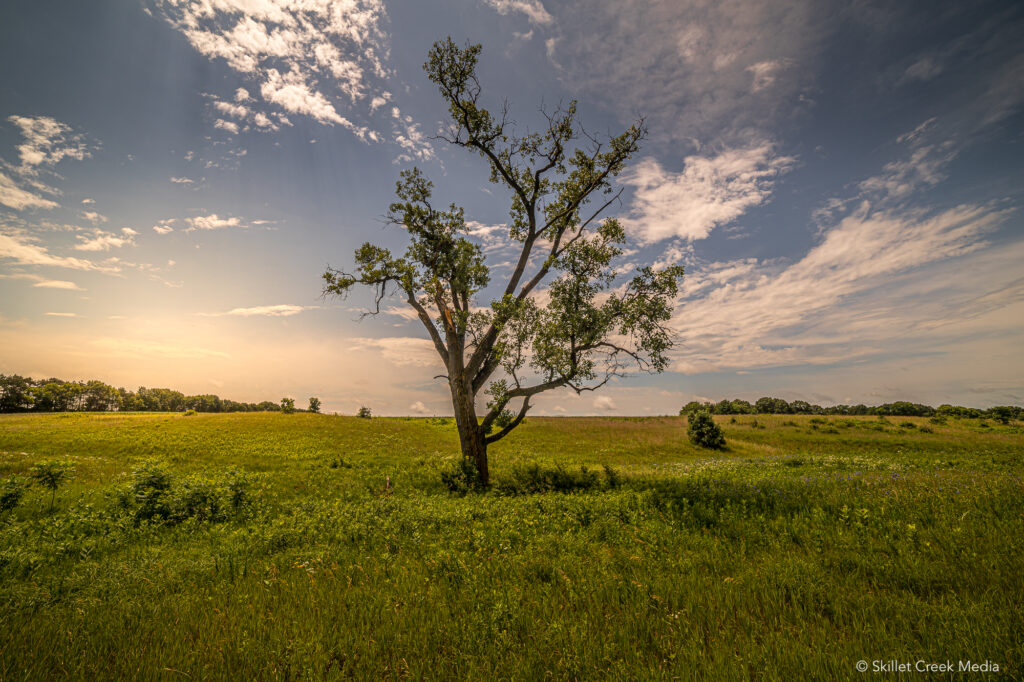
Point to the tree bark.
(471, 437)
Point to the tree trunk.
(471, 437)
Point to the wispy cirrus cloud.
(41, 282)
(280, 310)
(13, 196)
(725, 72)
(23, 251)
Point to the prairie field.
(302, 546)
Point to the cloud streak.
(24, 252)
(281, 310)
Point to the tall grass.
(793, 554)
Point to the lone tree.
(581, 330)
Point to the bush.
(198, 498)
(461, 477)
(190, 413)
(364, 413)
(533, 478)
(11, 492)
(703, 431)
(150, 486)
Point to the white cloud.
(24, 252)
(533, 9)
(419, 408)
(283, 310)
(231, 109)
(88, 201)
(94, 217)
(63, 315)
(19, 199)
(212, 222)
(707, 193)
(58, 284)
(300, 54)
(47, 142)
(605, 403)
(104, 241)
(182, 181)
(229, 126)
(164, 226)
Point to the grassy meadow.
(268, 546)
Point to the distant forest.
(24, 394)
(766, 405)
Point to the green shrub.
(533, 478)
(198, 498)
(908, 425)
(151, 483)
(461, 477)
(364, 413)
(238, 484)
(190, 413)
(11, 492)
(704, 432)
(288, 405)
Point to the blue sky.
(842, 181)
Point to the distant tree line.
(900, 408)
(24, 394)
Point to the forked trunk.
(471, 437)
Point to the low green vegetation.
(703, 431)
(304, 546)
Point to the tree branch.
(513, 424)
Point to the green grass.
(804, 547)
